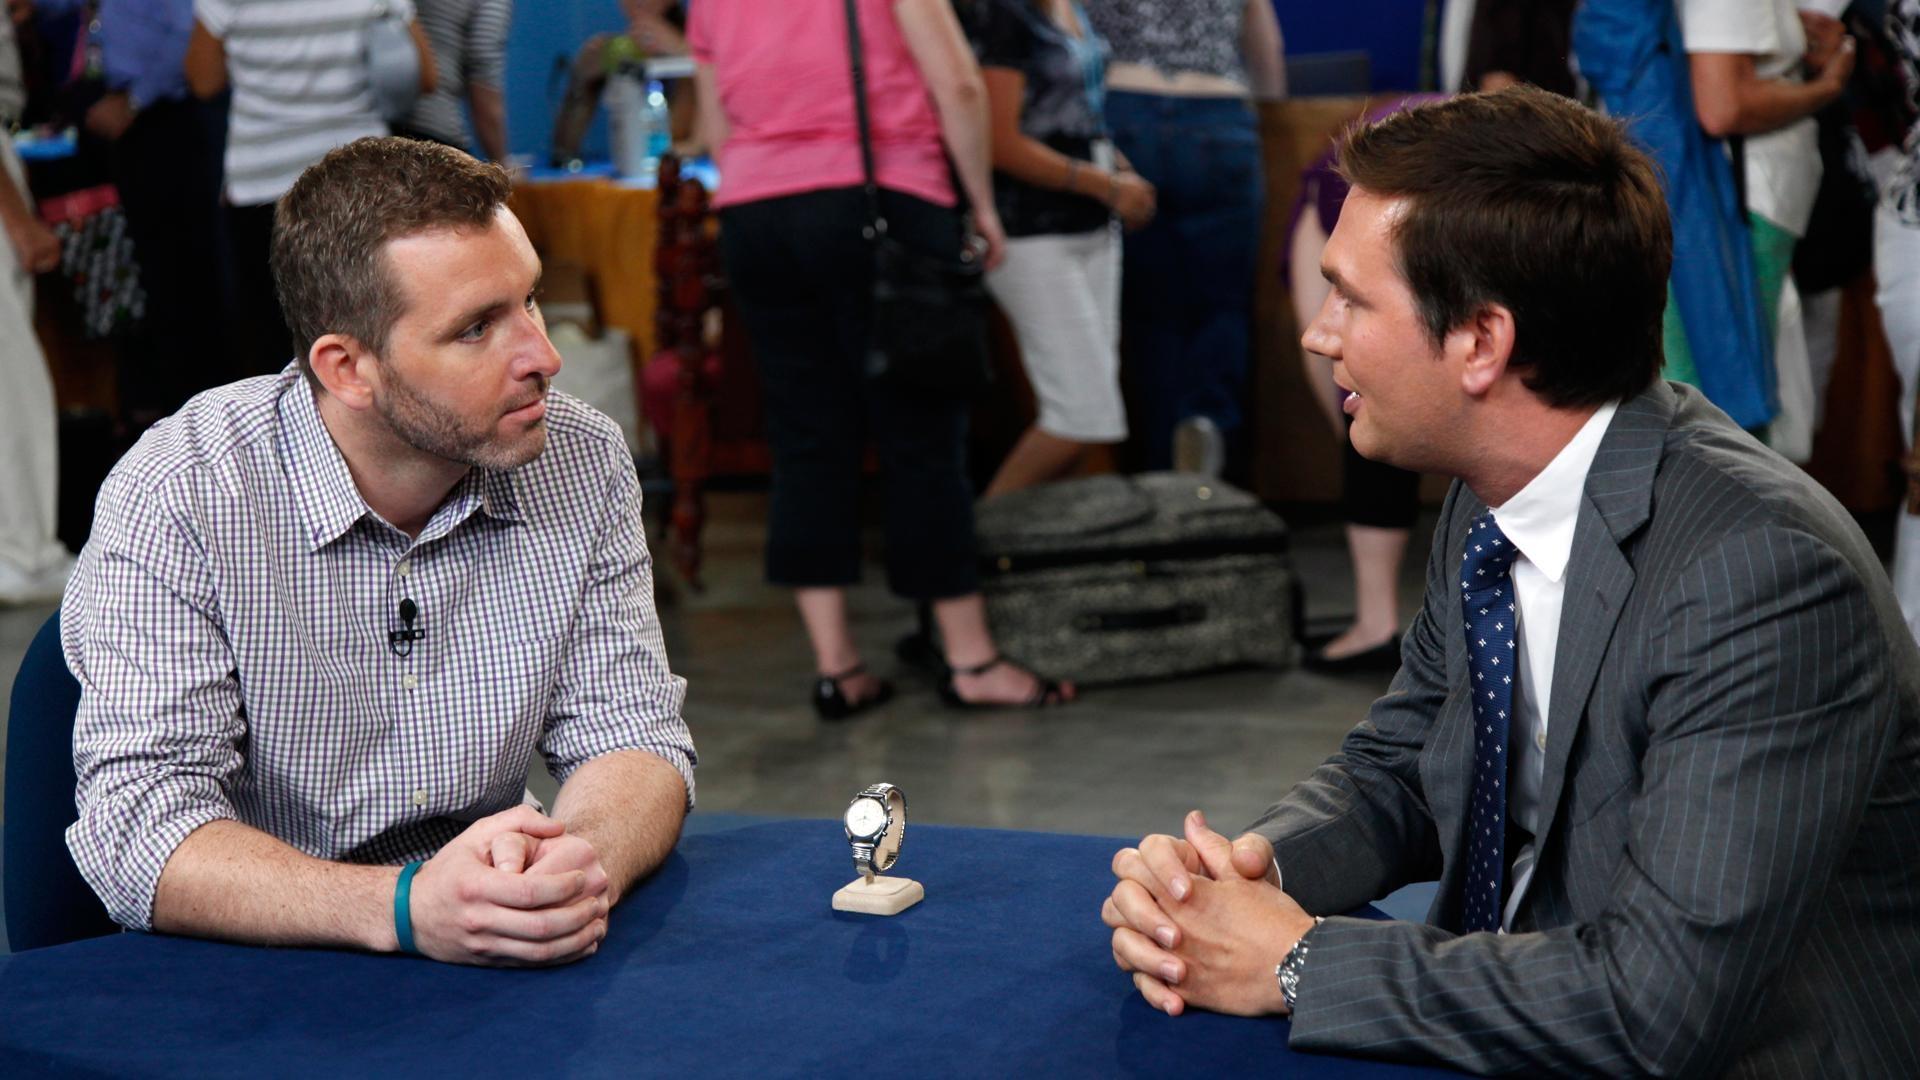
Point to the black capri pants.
(802, 274)
(1376, 494)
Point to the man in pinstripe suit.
(1709, 785)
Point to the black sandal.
(917, 651)
(1045, 694)
(920, 651)
(831, 702)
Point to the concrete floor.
(1122, 762)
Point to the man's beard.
(432, 428)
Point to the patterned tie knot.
(1487, 556)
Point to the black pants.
(261, 341)
(803, 275)
(167, 167)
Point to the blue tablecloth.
(729, 961)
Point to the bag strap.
(876, 224)
(1737, 150)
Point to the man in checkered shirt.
(325, 617)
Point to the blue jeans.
(1187, 281)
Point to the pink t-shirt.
(786, 86)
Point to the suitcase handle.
(1150, 619)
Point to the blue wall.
(545, 35)
(1388, 30)
(546, 31)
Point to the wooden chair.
(700, 390)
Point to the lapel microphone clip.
(401, 641)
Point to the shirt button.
(403, 569)
(420, 797)
(409, 682)
(1540, 739)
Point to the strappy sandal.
(831, 702)
(920, 650)
(1045, 694)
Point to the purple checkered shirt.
(228, 624)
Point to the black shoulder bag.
(929, 311)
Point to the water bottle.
(658, 127)
(625, 102)
(637, 124)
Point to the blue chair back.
(48, 902)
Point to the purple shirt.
(143, 44)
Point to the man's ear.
(347, 369)
(1483, 345)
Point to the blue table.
(729, 961)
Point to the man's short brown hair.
(1529, 200)
(330, 231)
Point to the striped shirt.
(469, 39)
(229, 627)
(13, 89)
(1903, 189)
(300, 85)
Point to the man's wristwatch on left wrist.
(1287, 971)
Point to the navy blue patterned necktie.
(1487, 608)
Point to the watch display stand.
(880, 896)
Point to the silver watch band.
(879, 857)
(1287, 972)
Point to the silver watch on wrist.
(876, 824)
(1287, 972)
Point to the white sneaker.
(1198, 447)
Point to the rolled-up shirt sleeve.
(487, 43)
(216, 15)
(157, 738)
(615, 689)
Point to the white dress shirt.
(1539, 520)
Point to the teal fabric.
(1631, 53)
(1772, 259)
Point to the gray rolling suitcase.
(1115, 578)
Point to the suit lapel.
(1616, 504)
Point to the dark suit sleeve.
(1359, 826)
(1769, 712)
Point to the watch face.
(866, 818)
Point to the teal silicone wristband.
(403, 908)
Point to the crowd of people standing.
(199, 114)
(1106, 155)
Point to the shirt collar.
(1540, 518)
(482, 491)
(331, 502)
(499, 499)
(322, 486)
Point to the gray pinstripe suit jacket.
(1729, 853)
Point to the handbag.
(393, 64)
(929, 311)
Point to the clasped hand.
(1202, 921)
(513, 890)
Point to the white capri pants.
(1061, 293)
(1896, 265)
(29, 462)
